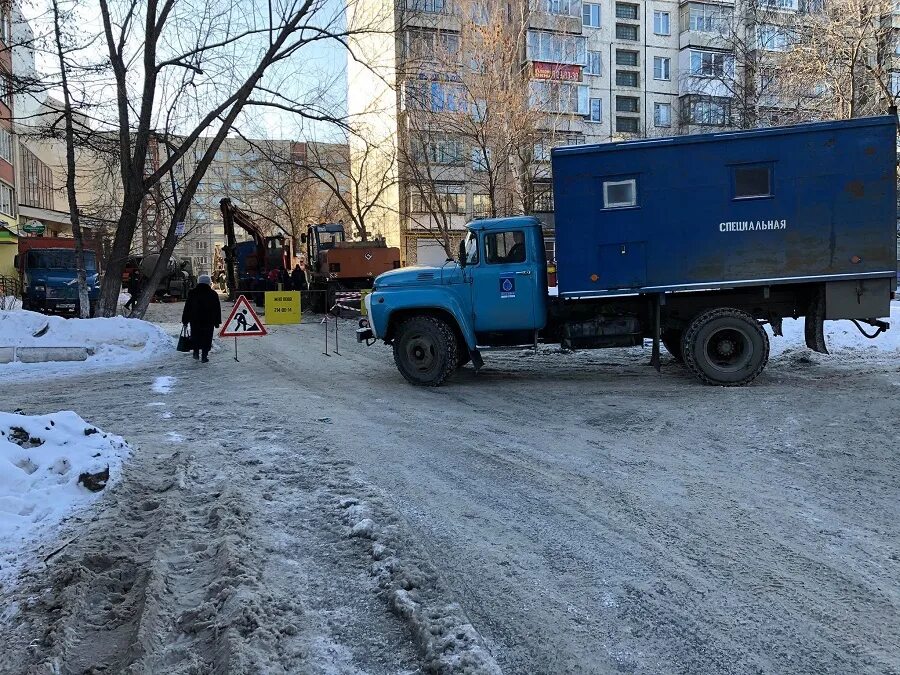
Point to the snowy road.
(586, 514)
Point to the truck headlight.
(40, 288)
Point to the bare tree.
(185, 69)
(841, 57)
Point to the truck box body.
(810, 202)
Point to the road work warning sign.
(282, 307)
(242, 322)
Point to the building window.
(626, 11)
(596, 110)
(594, 64)
(5, 145)
(661, 23)
(481, 204)
(451, 199)
(430, 6)
(711, 64)
(431, 45)
(481, 159)
(619, 194)
(790, 5)
(628, 104)
(626, 78)
(590, 15)
(626, 58)
(709, 112)
(6, 88)
(752, 182)
(556, 48)
(543, 198)
(625, 31)
(627, 125)
(773, 38)
(662, 114)
(7, 200)
(5, 24)
(439, 150)
(661, 68)
(560, 97)
(704, 18)
(563, 7)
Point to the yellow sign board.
(282, 307)
(362, 301)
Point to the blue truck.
(694, 242)
(48, 272)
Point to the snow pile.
(843, 337)
(50, 465)
(110, 342)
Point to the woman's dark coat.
(204, 312)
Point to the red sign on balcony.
(556, 71)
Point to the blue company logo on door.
(507, 286)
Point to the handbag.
(184, 342)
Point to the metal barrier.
(10, 287)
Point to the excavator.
(248, 263)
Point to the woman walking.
(203, 312)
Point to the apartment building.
(599, 70)
(8, 199)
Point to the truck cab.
(437, 318)
(49, 278)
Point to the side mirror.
(462, 253)
(16, 261)
(302, 238)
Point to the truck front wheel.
(425, 350)
(726, 347)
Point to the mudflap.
(815, 323)
(477, 361)
(654, 353)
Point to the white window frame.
(7, 200)
(594, 64)
(709, 66)
(6, 145)
(591, 12)
(658, 23)
(599, 110)
(657, 106)
(616, 183)
(664, 72)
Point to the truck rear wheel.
(425, 350)
(671, 340)
(726, 347)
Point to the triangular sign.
(243, 321)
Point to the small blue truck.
(693, 242)
(47, 268)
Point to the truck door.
(504, 283)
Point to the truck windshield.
(329, 239)
(471, 249)
(59, 259)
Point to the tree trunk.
(115, 263)
(84, 305)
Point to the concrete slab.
(44, 354)
(7, 354)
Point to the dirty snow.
(111, 342)
(42, 461)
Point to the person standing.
(298, 279)
(203, 312)
(134, 288)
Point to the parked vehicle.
(248, 263)
(694, 242)
(47, 269)
(335, 264)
